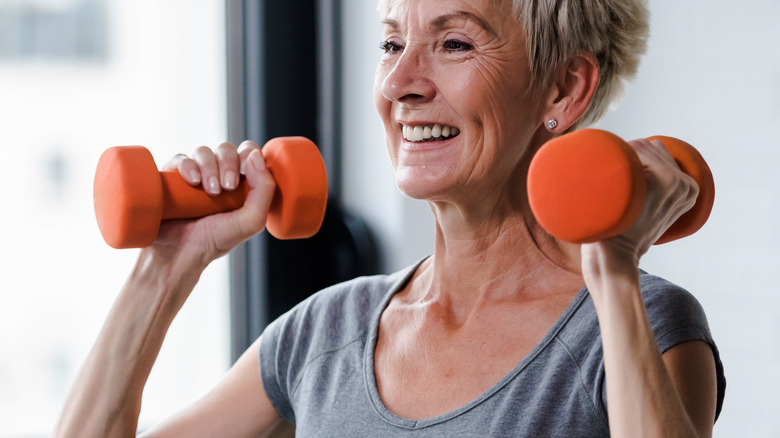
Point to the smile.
(422, 133)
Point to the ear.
(576, 80)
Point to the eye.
(456, 46)
(388, 46)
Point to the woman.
(492, 335)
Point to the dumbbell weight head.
(586, 186)
(298, 206)
(128, 197)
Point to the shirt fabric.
(317, 367)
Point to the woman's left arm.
(648, 393)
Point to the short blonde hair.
(614, 31)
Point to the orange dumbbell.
(132, 197)
(589, 185)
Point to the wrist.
(164, 278)
(609, 269)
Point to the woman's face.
(451, 90)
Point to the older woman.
(494, 334)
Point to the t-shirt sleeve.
(676, 316)
(270, 371)
(326, 321)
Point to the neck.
(481, 259)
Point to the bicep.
(237, 406)
(691, 366)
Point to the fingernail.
(195, 177)
(230, 180)
(214, 185)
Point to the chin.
(422, 183)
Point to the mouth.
(427, 133)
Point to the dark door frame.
(283, 79)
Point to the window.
(76, 77)
(53, 30)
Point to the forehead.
(493, 15)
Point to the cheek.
(383, 108)
(503, 117)
(380, 103)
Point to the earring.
(552, 124)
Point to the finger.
(252, 217)
(206, 161)
(186, 166)
(244, 149)
(670, 192)
(686, 186)
(658, 151)
(227, 161)
(654, 154)
(661, 171)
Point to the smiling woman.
(504, 330)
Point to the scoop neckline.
(370, 352)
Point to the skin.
(494, 270)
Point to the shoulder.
(338, 318)
(338, 312)
(331, 318)
(675, 314)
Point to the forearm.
(642, 399)
(105, 399)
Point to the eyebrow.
(443, 21)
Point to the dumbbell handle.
(589, 185)
(183, 201)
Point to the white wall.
(712, 77)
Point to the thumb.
(251, 218)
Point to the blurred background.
(78, 76)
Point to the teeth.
(425, 133)
(418, 133)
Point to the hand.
(218, 170)
(670, 193)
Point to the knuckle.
(226, 149)
(267, 184)
(205, 158)
(203, 151)
(247, 146)
(175, 162)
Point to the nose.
(409, 80)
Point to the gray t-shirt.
(317, 367)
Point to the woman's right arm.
(105, 399)
(238, 406)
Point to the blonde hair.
(614, 31)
